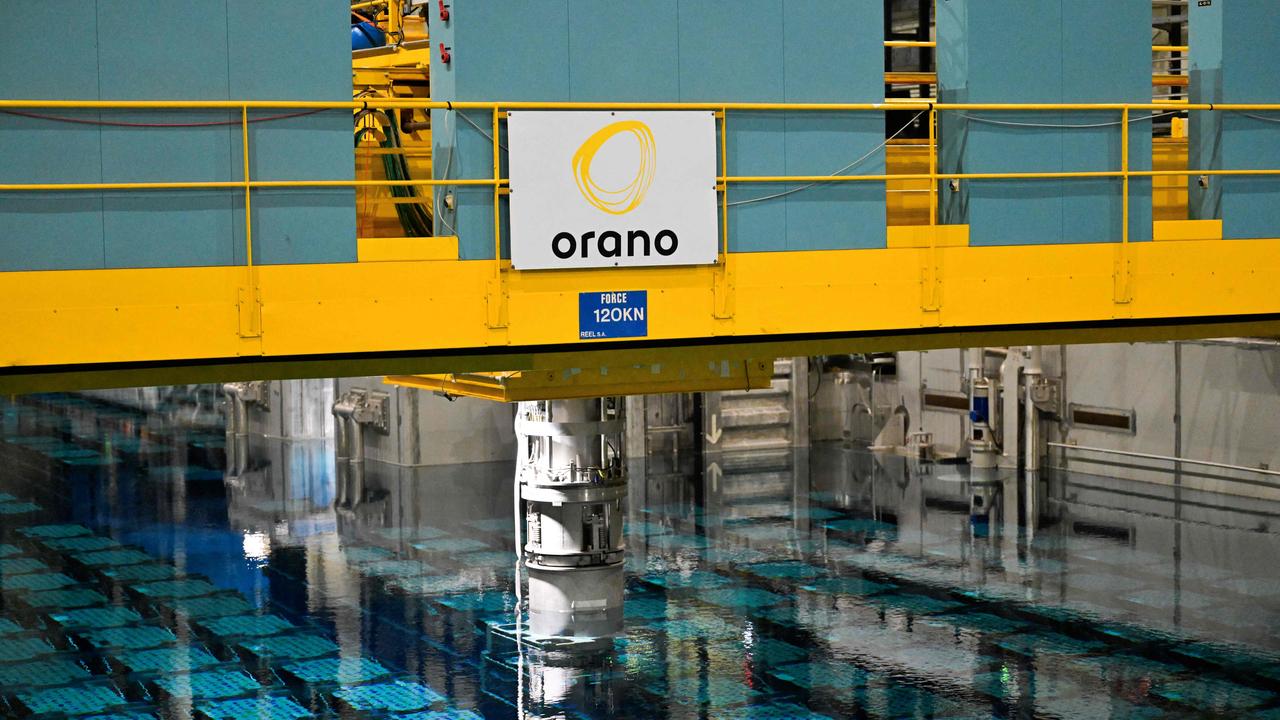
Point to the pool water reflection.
(139, 579)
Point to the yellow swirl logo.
(622, 200)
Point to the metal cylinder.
(572, 481)
(1031, 415)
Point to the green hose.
(415, 219)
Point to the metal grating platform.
(283, 648)
(42, 673)
(165, 660)
(343, 671)
(367, 553)
(111, 558)
(20, 565)
(449, 545)
(212, 685)
(394, 697)
(130, 638)
(55, 531)
(70, 599)
(271, 707)
(431, 585)
(395, 568)
(95, 618)
(78, 700)
(86, 544)
(146, 572)
(233, 626)
(207, 607)
(176, 589)
(35, 582)
(22, 649)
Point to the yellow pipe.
(724, 190)
(183, 104)
(523, 105)
(497, 181)
(216, 185)
(370, 4)
(932, 43)
(11, 187)
(933, 167)
(1187, 173)
(910, 78)
(1123, 270)
(248, 213)
(816, 178)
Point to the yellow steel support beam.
(587, 382)
(436, 310)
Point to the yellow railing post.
(248, 298)
(930, 292)
(724, 184)
(722, 284)
(248, 186)
(1122, 289)
(933, 166)
(497, 304)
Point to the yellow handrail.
(399, 103)
(497, 111)
(934, 44)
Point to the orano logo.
(622, 200)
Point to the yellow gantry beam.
(426, 315)
(430, 316)
(588, 382)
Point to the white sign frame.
(628, 189)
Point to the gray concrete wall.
(427, 429)
(1204, 400)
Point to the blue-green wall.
(1233, 48)
(681, 50)
(156, 50)
(1017, 51)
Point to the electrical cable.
(445, 175)
(1263, 118)
(116, 123)
(415, 219)
(1056, 126)
(487, 136)
(841, 171)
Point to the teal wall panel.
(1011, 51)
(604, 35)
(293, 225)
(50, 230)
(733, 51)
(1234, 44)
(682, 50)
(142, 49)
(816, 50)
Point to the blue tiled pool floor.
(258, 599)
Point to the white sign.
(612, 189)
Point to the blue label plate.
(615, 314)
